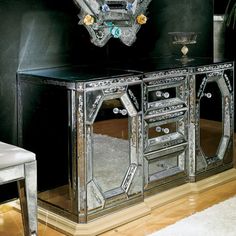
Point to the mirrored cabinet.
(105, 139)
(86, 127)
(211, 119)
(113, 144)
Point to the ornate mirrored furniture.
(107, 138)
(105, 19)
(211, 119)
(88, 135)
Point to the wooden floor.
(11, 225)
(175, 211)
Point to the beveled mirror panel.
(110, 145)
(215, 123)
(113, 143)
(211, 127)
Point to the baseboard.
(124, 216)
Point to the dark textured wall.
(45, 33)
(220, 6)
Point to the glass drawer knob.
(123, 112)
(158, 129)
(208, 95)
(166, 95)
(116, 110)
(159, 94)
(166, 130)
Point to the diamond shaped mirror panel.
(112, 19)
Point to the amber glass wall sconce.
(105, 19)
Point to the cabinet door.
(214, 118)
(113, 147)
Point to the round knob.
(158, 129)
(116, 110)
(160, 94)
(208, 95)
(166, 130)
(123, 112)
(166, 95)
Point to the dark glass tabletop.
(83, 73)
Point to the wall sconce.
(105, 19)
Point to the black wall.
(45, 33)
(220, 6)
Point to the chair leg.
(28, 199)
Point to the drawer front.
(165, 91)
(158, 168)
(164, 132)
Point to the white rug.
(218, 220)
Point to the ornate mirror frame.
(105, 19)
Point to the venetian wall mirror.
(105, 19)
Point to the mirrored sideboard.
(211, 104)
(107, 138)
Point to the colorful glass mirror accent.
(105, 19)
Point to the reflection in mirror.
(110, 145)
(211, 119)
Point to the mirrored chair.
(17, 164)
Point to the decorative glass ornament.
(105, 19)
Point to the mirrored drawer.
(161, 169)
(164, 90)
(164, 134)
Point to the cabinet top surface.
(78, 73)
(74, 73)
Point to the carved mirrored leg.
(27, 188)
